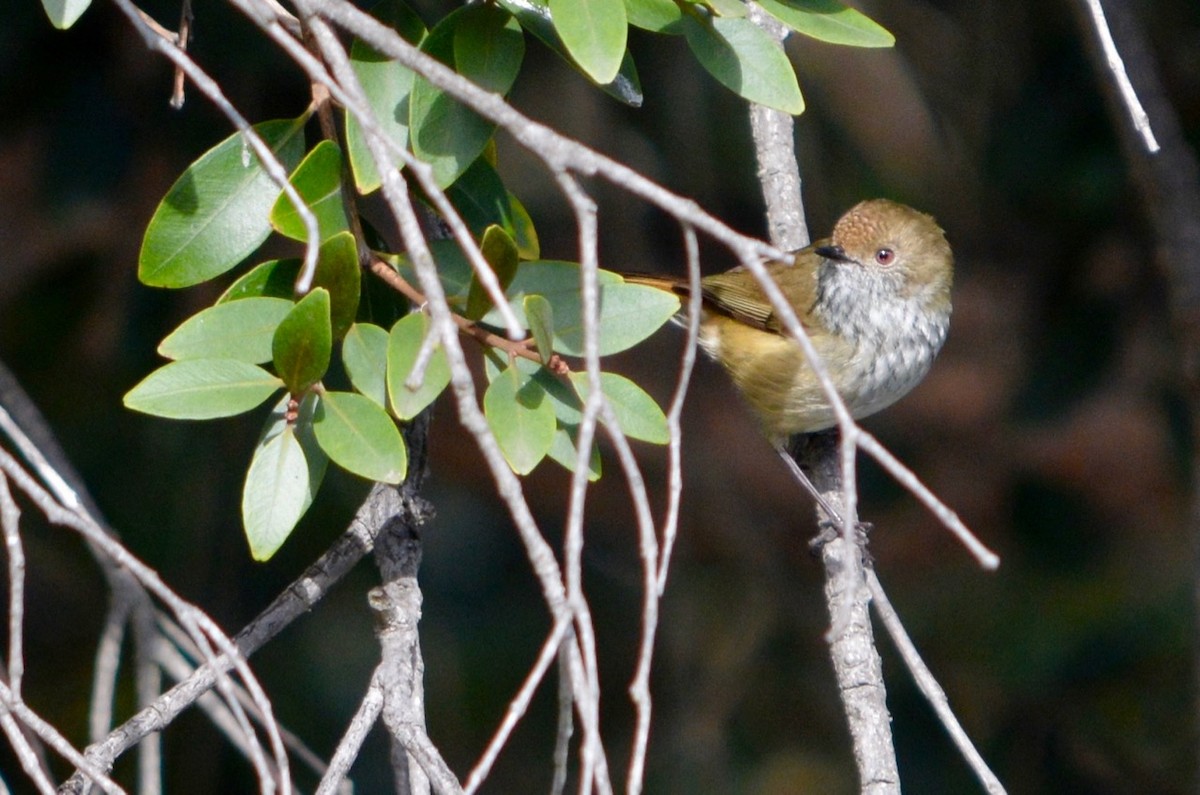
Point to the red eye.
(885, 256)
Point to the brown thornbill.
(874, 298)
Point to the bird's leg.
(830, 523)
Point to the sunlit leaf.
(404, 343)
(303, 343)
(202, 389)
(364, 353)
(235, 330)
(64, 13)
(386, 85)
(830, 21)
(638, 416)
(217, 212)
(744, 59)
(565, 448)
(540, 316)
(444, 133)
(657, 16)
(318, 180)
(594, 33)
(534, 16)
(522, 419)
(360, 437)
(274, 278)
(285, 473)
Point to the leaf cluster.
(349, 361)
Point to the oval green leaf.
(318, 180)
(656, 16)
(237, 330)
(404, 343)
(339, 273)
(216, 213)
(594, 32)
(638, 416)
(386, 85)
(564, 451)
(567, 407)
(364, 353)
(500, 252)
(360, 437)
(534, 17)
(276, 494)
(522, 419)
(202, 389)
(303, 343)
(274, 278)
(540, 316)
(444, 133)
(744, 59)
(830, 21)
(489, 47)
(629, 313)
(64, 13)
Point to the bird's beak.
(835, 253)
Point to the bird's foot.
(828, 530)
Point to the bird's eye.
(885, 256)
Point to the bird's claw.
(828, 530)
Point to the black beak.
(835, 253)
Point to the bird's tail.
(661, 281)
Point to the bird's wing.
(737, 293)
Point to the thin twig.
(348, 747)
(1116, 65)
(518, 706)
(929, 686)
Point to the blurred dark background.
(1056, 421)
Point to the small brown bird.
(874, 298)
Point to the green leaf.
(488, 48)
(64, 13)
(565, 448)
(744, 59)
(364, 353)
(522, 419)
(318, 180)
(830, 21)
(202, 389)
(237, 330)
(481, 198)
(637, 414)
(404, 342)
(593, 32)
(216, 213)
(360, 437)
(567, 407)
(657, 16)
(386, 85)
(274, 278)
(303, 342)
(726, 8)
(446, 134)
(281, 482)
(540, 316)
(501, 254)
(339, 273)
(628, 312)
(534, 16)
